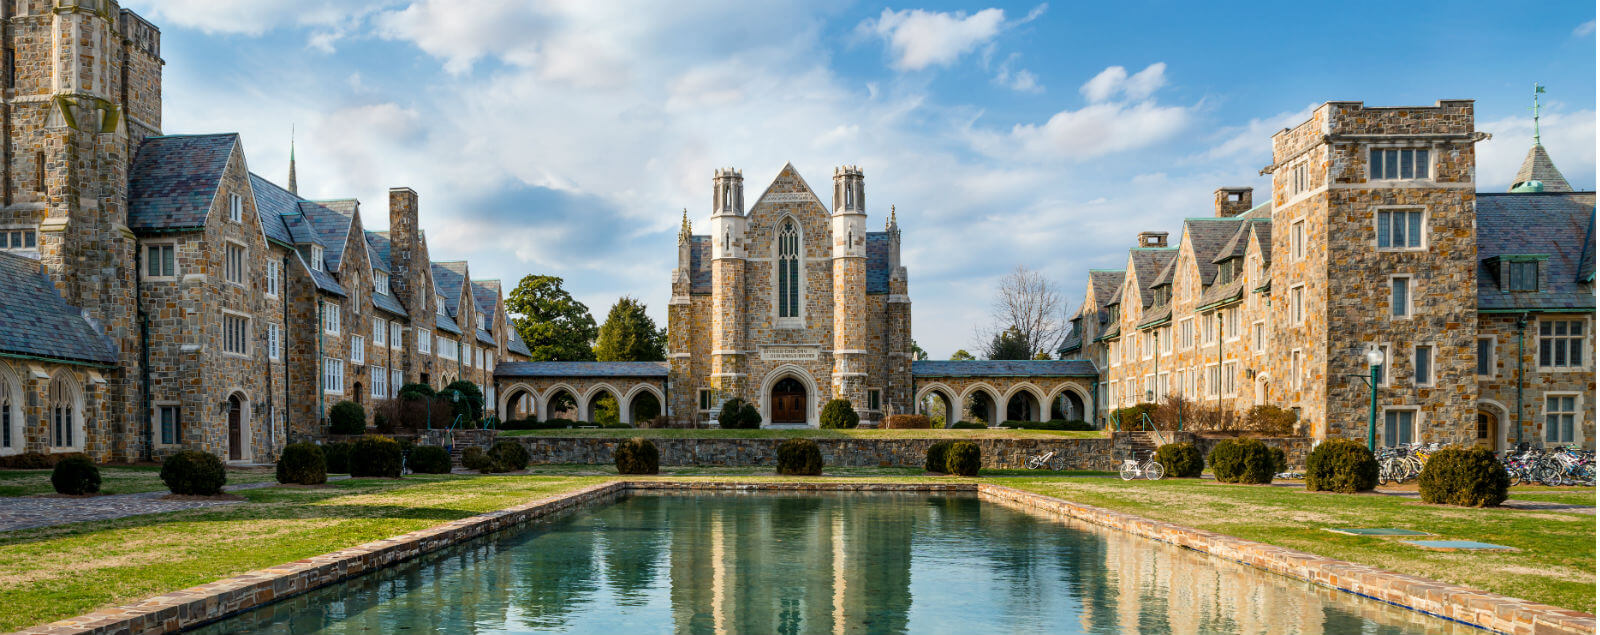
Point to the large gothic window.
(9, 438)
(788, 271)
(64, 417)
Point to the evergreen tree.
(556, 327)
(629, 335)
(961, 355)
(1008, 344)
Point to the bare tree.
(1032, 306)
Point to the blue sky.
(566, 138)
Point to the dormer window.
(1163, 295)
(380, 282)
(438, 301)
(316, 258)
(1523, 276)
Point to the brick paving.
(33, 512)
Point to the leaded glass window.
(788, 271)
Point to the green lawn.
(808, 433)
(1554, 562)
(114, 479)
(584, 469)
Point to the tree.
(1033, 307)
(1007, 344)
(961, 355)
(629, 335)
(555, 327)
(917, 353)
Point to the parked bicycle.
(1051, 460)
(1149, 469)
(1562, 466)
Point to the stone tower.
(728, 246)
(83, 82)
(898, 397)
(849, 222)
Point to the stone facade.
(1277, 303)
(843, 331)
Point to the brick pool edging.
(199, 605)
(1482, 609)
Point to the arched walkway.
(643, 403)
(1070, 404)
(981, 403)
(799, 397)
(938, 401)
(518, 402)
(1024, 403)
(11, 437)
(559, 402)
(601, 404)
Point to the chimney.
(1152, 239)
(1232, 201)
(405, 250)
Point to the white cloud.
(1587, 28)
(1115, 80)
(1020, 80)
(251, 17)
(919, 39)
(1092, 131)
(1569, 137)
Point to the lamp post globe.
(1374, 362)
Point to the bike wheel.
(1058, 464)
(1130, 472)
(1516, 479)
(1034, 463)
(1154, 471)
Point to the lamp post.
(1374, 361)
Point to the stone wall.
(1081, 454)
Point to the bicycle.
(1149, 469)
(1048, 460)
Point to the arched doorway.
(235, 429)
(1022, 406)
(939, 406)
(1487, 432)
(980, 405)
(643, 406)
(1067, 406)
(603, 406)
(788, 401)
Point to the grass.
(808, 433)
(584, 469)
(1554, 562)
(114, 479)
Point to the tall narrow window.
(272, 277)
(788, 271)
(63, 415)
(169, 418)
(1400, 296)
(233, 266)
(6, 440)
(1423, 364)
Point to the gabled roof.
(1147, 264)
(444, 323)
(447, 280)
(1106, 283)
(1537, 166)
(1238, 243)
(36, 322)
(300, 229)
(1218, 294)
(331, 228)
(174, 179)
(581, 369)
(484, 295)
(877, 263)
(272, 203)
(1557, 225)
(1208, 236)
(378, 251)
(1004, 368)
(516, 345)
(1157, 317)
(700, 265)
(1263, 234)
(1167, 272)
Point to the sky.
(566, 138)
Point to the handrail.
(1160, 440)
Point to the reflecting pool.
(822, 563)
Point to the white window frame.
(424, 341)
(330, 318)
(1433, 365)
(235, 275)
(1423, 218)
(316, 257)
(332, 375)
(157, 245)
(1584, 347)
(1230, 324)
(380, 332)
(156, 424)
(227, 335)
(397, 378)
(397, 335)
(1577, 414)
(22, 234)
(1383, 424)
(1297, 304)
(358, 350)
(273, 283)
(236, 208)
(1297, 240)
(1299, 178)
(1386, 371)
(1258, 336)
(378, 377)
(274, 341)
(1297, 369)
(1371, 167)
(1494, 356)
(1230, 373)
(1186, 334)
(380, 282)
(1410, 309)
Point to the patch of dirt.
(218, 497)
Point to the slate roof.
(652, 370)
(1147, 264)
(877, 263)
(516, 345)
(700, 265)
(485, 338)
(1073, 341)
(1556, 224)
(1216, 293)
(35, 320)
(1106, 284)
(1157, 316)
(447, 281)
(1208, 236)
(300, 229)
(326, 282)
(1537, 166)
(386, 302)
(378, 251)
(1004, 368)
(1165, 277)
(1263, 233)
(1237, 244)
(444, 323)
(174, 179)
(331, 228)
(484, 295)
(272, 203)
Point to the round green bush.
(302, 464)
(1280, 459)
(415, 391)
(429, 459)
(967, 425)
(838, 413)
(637, 456)
(1469, 477)
(194, 473)
(337, 455)
(347, 417)
(1241, 461)
(474, 458)
(799, 457)
(468, 401)
(508, 456)
(1181, 460)
(75, 475)
(736, 414)
(1341, 465)
(936, 457)
(375, 455)
(963, 458)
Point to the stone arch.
(952, 410)
(800, 375)
(626, 404)
(12, 440)
(236, 433)
(991, 411)
(1497, 427)
(1034, 411)
(546, 407)
(64, 413)
(1263, 389)
(586, 404)
(1077, 406)
(519, 392)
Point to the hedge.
(1241, 461)
(935, 462)
(375, 455)
(964, 458)
(507, 456)
(337, 454)
(428, 459)
(474, 458)
(1341, 465)
(736, 414)
(1469, 477)
(907, 422)
(75, 475)
(347, 417)
(637, 456)
(799, 457)
(1053, 424)
(194, 473)
(1181, 460)
(967, 425)
(839, 414)
(302, 464)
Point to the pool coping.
(206, 603)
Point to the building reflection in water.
(827, 563)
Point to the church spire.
(683, 234)
(293, 187)
(1537, 89)
(1538, 172)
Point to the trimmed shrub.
(907, 422)
(1470, 477)
(1280, 459)
(415, 391)
(347, 417)
(302, 464)
(618, 425)
(194, 473)
(963, 458)
(637, 456)
(838, 413)
(429, 459)
(1053, 424)
(75, 475)
(736, 414)
(1241, 461)
(1341, 465)
(508, 456)
(375, 455)
(1181, 460)
(936, 457)
(968, 425)
(32, 460)
(1133, 415)
(474, 458)
(337, 455)
(799, 457)
(469, 401)
(1271, 420)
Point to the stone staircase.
(1142, 443)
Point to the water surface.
(833, 563)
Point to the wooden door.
(235, 451)
(788, 402)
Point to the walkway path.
(32, 512)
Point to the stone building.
(157, 295)
(1373, 237)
